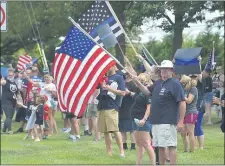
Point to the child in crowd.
(30, 115)
(40, 101)
(46, 119)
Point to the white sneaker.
(37, 140)
(67, 130)
(72, 137)
(77, 137)
(32, 137)
(122, 155)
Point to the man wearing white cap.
(167, 111)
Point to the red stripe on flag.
(56, 56)
(63, 74)
(86, 67)
(87, 83)
(84, 105)
(62, 57)
(68, 82)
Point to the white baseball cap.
(166, 64)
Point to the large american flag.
(23, 61)
(211, 63)
(97, 15)
(78, 67)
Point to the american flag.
(97, 15)
(78, 67)
(23, 61)
(211, 60)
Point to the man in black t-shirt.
(9, 96)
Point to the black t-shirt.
(109, 100)
(207, 84)
(139, 106)
(124, 111)
(166, 96)
(9, 92)
(200, 95)
(40, 112)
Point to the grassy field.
(59, 150)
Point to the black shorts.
(39, 121)
(71, 116)
(21, 114)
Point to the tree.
(50, 18)
(161, 49)
(219, 21)
(184, 12)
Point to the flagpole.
(149, 54)
(114, 14)
(82, 30)
(42, 58)
(213, 59)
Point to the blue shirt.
(24, 83)
(37, 79)
(108, 100)
(166, 96)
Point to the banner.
(186, 61)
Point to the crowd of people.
(153, 106)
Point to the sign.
(187, 61)
(3, 20)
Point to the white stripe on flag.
(118, 33)
(56, 64)
(81, 68)
(81, 100)
(65, 79)
(114, 26)
(85, 77)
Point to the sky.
(194, 29)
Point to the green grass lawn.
(59, 150)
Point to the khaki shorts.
(91, 111)
(108, 121)
(164, 135)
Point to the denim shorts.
(147, 126)
(208, 97)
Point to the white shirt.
(50, 86)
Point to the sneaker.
(32, 137)
(85, 132)
(45, 137)
(67, 130)
(122, 155)
(37, 140)
(72, 137)
(10, 132)
(78, 137)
